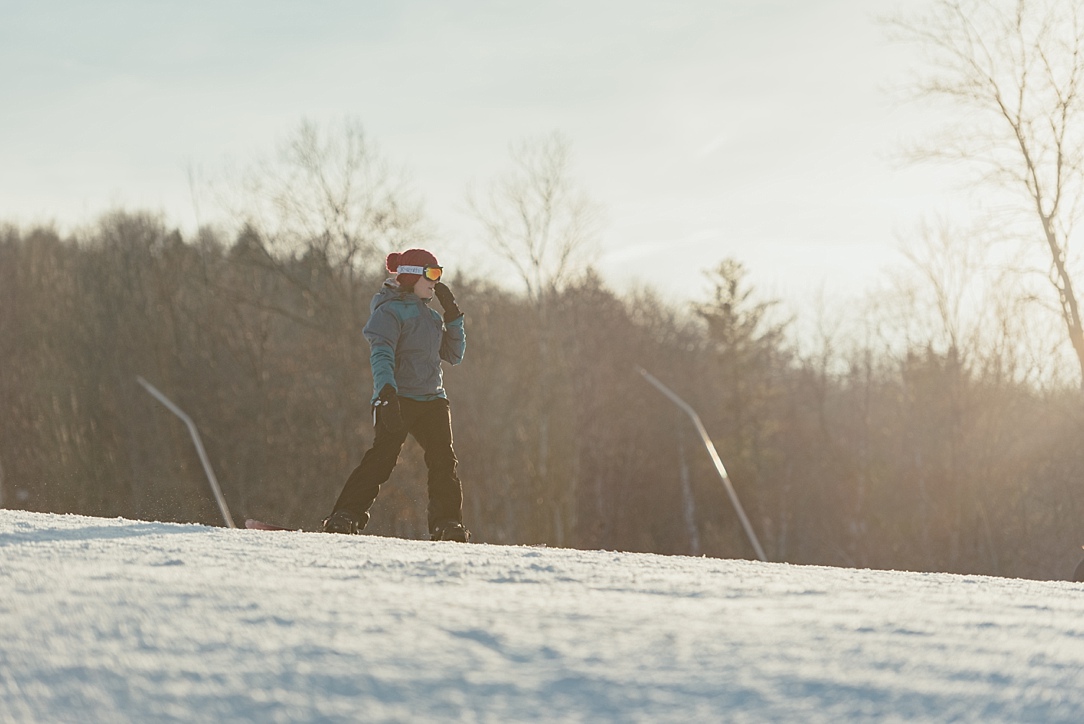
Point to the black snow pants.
(430, 423)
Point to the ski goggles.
(432, 273)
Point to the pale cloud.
(643, 249)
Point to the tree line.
(919, 455)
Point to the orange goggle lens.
(432, 273)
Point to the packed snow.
(107, 620)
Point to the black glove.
(447, 300)
(386, 410)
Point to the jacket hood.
(390, 292)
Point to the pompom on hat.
(410, 257)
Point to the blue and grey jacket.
(408, 340)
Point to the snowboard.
(253, 524)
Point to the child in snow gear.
(408, 340)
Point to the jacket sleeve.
(382, 332)
(454, 343)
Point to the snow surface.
(106, 620)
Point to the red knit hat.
(410, 257)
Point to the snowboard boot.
(451, 531)
(343, 521)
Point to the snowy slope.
(117, 620)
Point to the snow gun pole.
(199, 448)
(714, 458)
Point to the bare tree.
(1016, 68)
(536, 217)
(329, 192)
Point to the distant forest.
(920, 454)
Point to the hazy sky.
(758, 129)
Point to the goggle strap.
(419, 270)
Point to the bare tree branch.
(1016, 67)
(536, 218)
(329, 192)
